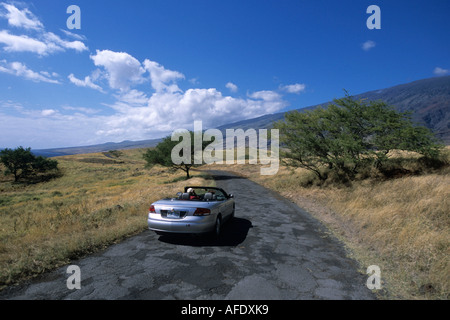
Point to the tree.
(162, 154)
(350, 134)
(24, 164)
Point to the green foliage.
(162, 154)
(23, 164)
(350, 135)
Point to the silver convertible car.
(197, 210)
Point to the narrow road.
(272, 250)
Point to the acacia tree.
(162, 154)
(23, 164)
(350, 134)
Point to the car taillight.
(202, 212)
(152, 209)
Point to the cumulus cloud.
(139, 114)
(294, 88)
(440, 71)
(21, 70)
(148, 102)
(164, 112)
(366, 46)
(122, 70)
(162, 79)
(232, 87)
(148, 98)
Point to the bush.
(351, 137)
(25, 165)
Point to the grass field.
(401, 224)
(100, 199)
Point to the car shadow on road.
(234, 232)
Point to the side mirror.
(230, 196)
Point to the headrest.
(208, 196)
(185, 196)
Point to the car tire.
(217, 228)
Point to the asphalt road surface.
(272, 250)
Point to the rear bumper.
(187, 225)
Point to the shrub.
(24, 165)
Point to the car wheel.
(217, 228)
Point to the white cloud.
(49, 43)
(266, 95)
(232, 87)
(194, 81)
(162, 79)
(136, 113)
(43, 43)
(139, 115)
(21, 70)
(48, 112)
(133, 98)
(366, 46)
(441, 72)
(164, 112)
(45, 130)
(81, 109)
(52, 40)
(87, 82)
(22, 43)
(294, 88)
(73, 35)
(21, 18)
(122, 70)
(11, 105)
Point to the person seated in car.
(192, 194)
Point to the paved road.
(272, 250)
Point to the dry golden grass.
(98, 201)
(401, 225)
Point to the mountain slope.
(97, 148)
(427, 99)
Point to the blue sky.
(141, 69)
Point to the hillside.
(125, 145)
(427, 99)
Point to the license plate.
(173, 215)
